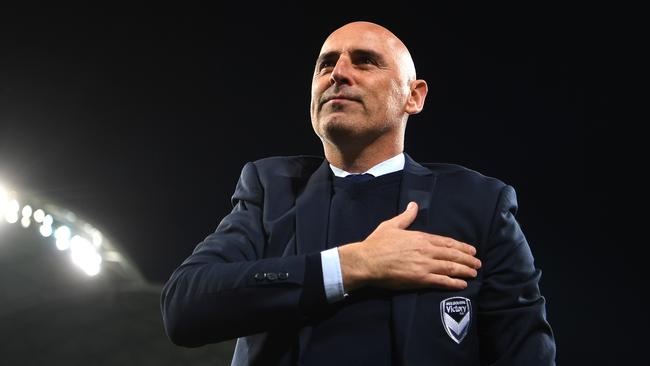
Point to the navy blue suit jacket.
(254, 277)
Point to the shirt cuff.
(332, 278)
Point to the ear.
(415, 102)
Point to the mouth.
(340, 98)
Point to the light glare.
(11, 211)
(97, 238)
(11, 217)
(84, 252)
(27, 211)
(39, 215)
(4, 200)
(48, 220)
(84, 255)
(45, 230)
(62, 235)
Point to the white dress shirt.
(332, 276)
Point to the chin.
(343, 132)
(334, 126)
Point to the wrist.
(353, 268)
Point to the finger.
(455, 255)
(405, 219)
(447, 242)
(446, 282)
(453, 269)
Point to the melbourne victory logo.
(456, 313)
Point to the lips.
(340, 97)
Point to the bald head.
(376, 34)
(363, 90)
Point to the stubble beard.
(350, 134)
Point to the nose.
(341, 74)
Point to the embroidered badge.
(456, 313)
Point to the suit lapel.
(312, 219)
(417, 185)
(312, 211)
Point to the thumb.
(405, 219)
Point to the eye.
(366, 61)
(325, 64)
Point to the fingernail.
(409, 206)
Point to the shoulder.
(479, 197)
(280, 176)
(458, 183)
(288, 165)
(285, 166)
(462, 176)
(275, 169)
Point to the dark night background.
(141, 122)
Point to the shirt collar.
(387, 166)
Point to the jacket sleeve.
(512, 317)
(226, 289)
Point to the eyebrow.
(355, 53)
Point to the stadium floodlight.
(4, 200)
(84, 255)
(45, 230)
(90, 250)
(11, 211)
(62, 235)
(39, 215)
(46, 227)
(97, 238)
(48, 220)
(27, 211)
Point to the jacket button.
(283, 275)
(259, 276)
(271, 276)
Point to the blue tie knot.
(359, 177)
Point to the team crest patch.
(456, 313)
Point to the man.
(409, 265)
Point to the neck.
(355, 158)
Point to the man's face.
(359, 87)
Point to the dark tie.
(359, 177)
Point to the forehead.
(352, 38)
